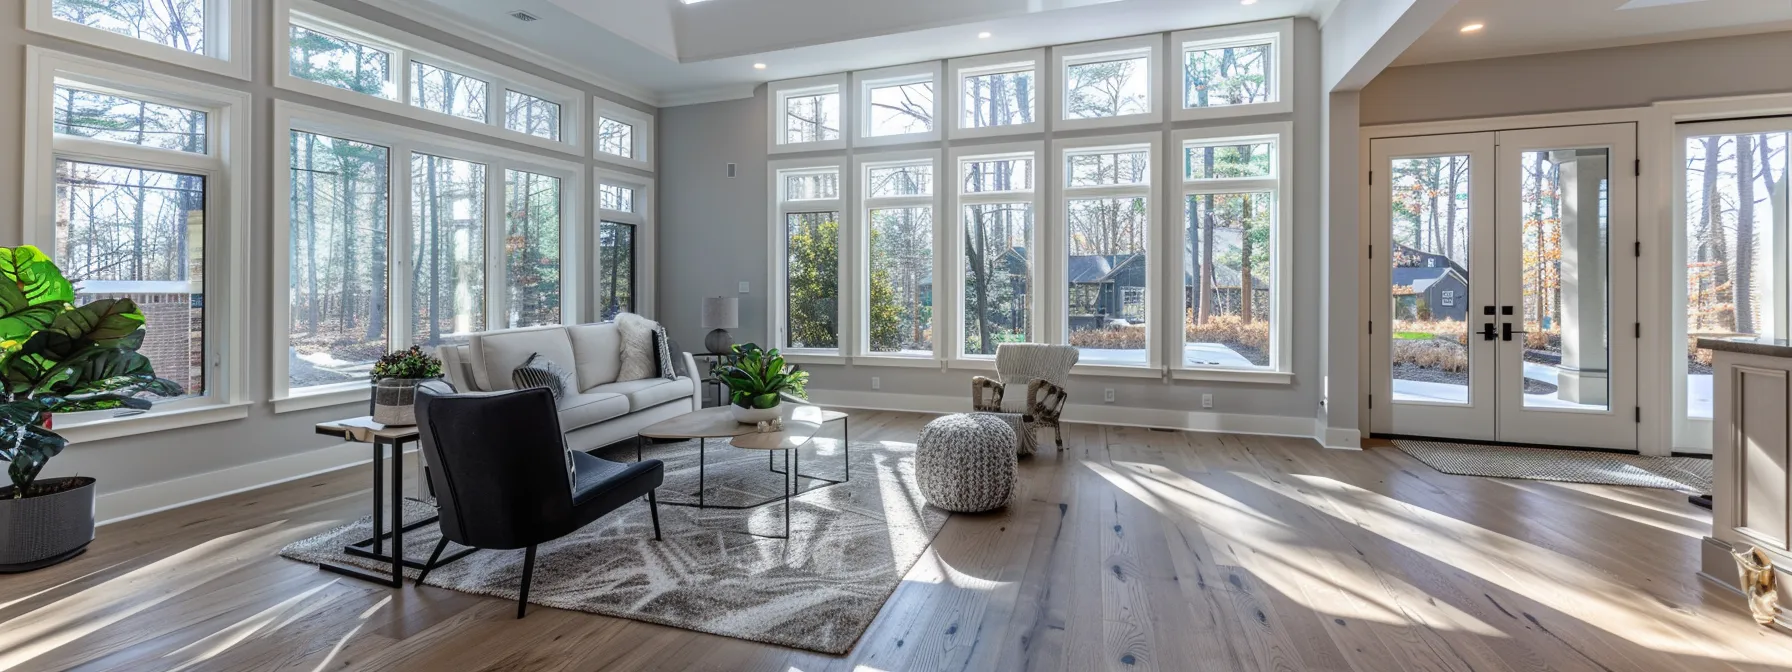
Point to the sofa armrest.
(697, 378)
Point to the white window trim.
(860, 261)
(229, 181)
(405, 48)
(865, 80)
(778, 92)
(1151, 46)
(646, 237)
(776, 286)
(1014, 61)
(642, 136)
(401, 142)
(227, 29)
(1281, 364)
(956, 199)
(1055, 239)
(1278, 33)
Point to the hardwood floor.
(1133, 550)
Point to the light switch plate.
(744, 287)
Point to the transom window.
(1108, 83)
(1233, 70)
(615, 137)
(524, 113)
(103, 116)
(443, 90)
(807, 114)
(327, 59)
(179, 24)
(210, 35)
(996, 94)
(898, 104)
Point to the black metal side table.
(380, 437)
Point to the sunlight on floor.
(211, 645)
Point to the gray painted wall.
(1581, 80)
(151, 458)
(715, 235)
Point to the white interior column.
(1582, 378)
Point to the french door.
(1503, 303)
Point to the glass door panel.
(1429, 278)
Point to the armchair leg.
(433, 557)
(1058, 433)
(653, 506)
(522, 598)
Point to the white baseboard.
(143, 500)
(1234, 423)
(1339, 438)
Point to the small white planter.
(754, 416)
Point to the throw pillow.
(662, 345)
(539, 371)
(637, 347)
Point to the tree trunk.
(1247, 293)
(1206, 289)
(1714, 234)
(1745, 233)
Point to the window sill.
(354, 393)
(916, 362)
(973, 364)
(1116, 371)
(800, 358)
(1234, 376)
(89, 426)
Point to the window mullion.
(497, 284)
(400, 229)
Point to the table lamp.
(720, 313)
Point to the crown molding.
(449, 21)
(709, 95)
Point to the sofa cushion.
(597, 353)
(496, 354)
(589, 408)
(647, 392)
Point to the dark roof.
(1421, 278)
(1093, 268)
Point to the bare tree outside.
(337, 273)
(615, 138)
(340, 62)
(998, 99)
(528, 114)
(1227, 76)
(447, 249)
(901, 109)
(531, 249)
(813, 118)
(449, 92)
(1107, 88)
(173, 23)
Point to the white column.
(1582, 378)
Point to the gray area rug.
(850, 546)
(1686, 474)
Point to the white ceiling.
(668, 53)
(1518, 27)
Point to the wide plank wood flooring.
(1132, 550)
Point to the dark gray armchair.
(498, 466)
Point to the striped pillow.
(539, 371)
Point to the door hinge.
(1639, 248)
(1371, 178)
(1371, 251)
(1639, 330)
(1371, 326)
(1371, 401)
(1639, 415)
(1639, 167)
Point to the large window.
(395, 237)
(996, 204)
(326, 52)
(337, 274)
(806, 228)
(210, 35)
(1231, 230)
(130, 189)
(807, 114)
(621, 247)
(898, 207)
(1107, 207)
(1108, 83)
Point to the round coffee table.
(801, 423)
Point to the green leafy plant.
(758, 378)
(412, 363)
(56, 356)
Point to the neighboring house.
(1106, 287)
(1430, 293)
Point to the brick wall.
(175, 343)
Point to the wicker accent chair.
(1044, 369)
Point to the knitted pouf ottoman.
(965, 462)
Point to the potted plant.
(757, 381)
(395, 380)
(55, 357)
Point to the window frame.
(959, 68)
(1278, 33)
(228, 169)
(646, 237)
(776, 93)
(1280, 184)
(228, 20)
(777, 311)
(864, 81)
(859, 262)
(641, 137)
(1064, 57)
(406, 48)
(402, 143)
(955, 201)
(1057, 265)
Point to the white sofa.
(603, 411)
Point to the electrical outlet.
(1107, 395)
(877, 383)
(744, 287)
(1206, 401)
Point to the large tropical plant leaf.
(106, 323)
(28, 279)
(28, 447)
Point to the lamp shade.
(721, 312)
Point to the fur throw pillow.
(639, 358)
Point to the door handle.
(1506, 331)
(1487, 332)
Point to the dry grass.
(1437, 353)
(1110, 338)
(1223, 329)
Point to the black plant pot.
(37, 532)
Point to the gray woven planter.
(44, 530)
(394, 401)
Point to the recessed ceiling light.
(983, 35)
(1472, 27)
(758, 66)
(1247, 2)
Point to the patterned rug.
(1686, 474)
(850, 546)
